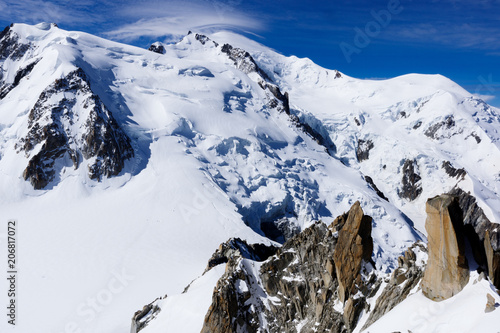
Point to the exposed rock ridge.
(300, 283)
(404, 278)
(237, 247)
(453, 172)
(278, 100)
(243, 61)
(370, 182)
(482, 234)
(235, 306)
(66, 104)
(142, 317)
(203, 39)
(447, 270)
(5, 88)
(443, 129)
(10, 46)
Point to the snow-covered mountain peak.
(210, 138)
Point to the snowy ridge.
(219, 148)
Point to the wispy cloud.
(176, 18)
(35, 11)
(456, 35)
(128, 20)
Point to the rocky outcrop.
(5, 88)
(142, 317)
(300, 283)
(483, 235)
(447, 270)
(363, 150)
(490, 303)
(157, 48)
(404, 278)
(276, 92)
(411, 181)
(66, 104)
(453, 172)
(230, 311)
(243, 61)
(442, 129)
(203, 39)
(235, 247)
(355, 245)
(493, 258)
(10, 46)
(370, 182)
(302, 278)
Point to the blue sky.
(366, 39)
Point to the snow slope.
(215, 159)
(461, 313)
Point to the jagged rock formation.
(5, 88)
(243, 60)
(411, 181)
(442, 129)
(142, 317)
(303, 282)
(370, 182)
(51, 121)
(10, 47)
(404, 278)
(236, 247)
(228, 312)
(453, 172)
(483, 235)
(355, 245)
(447, 270)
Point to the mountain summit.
(126, 168)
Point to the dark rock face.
(370, 182)
(10, 46)
(363, 150)
(442, 129)
(300, 282)
(157, 48)
(403, 280)
(279, 230)
(229, 311)
(411, 181)
(5, 88)
(275, 91)
(237, 247)
(244, 61)
(453, 172)
(50, 122)
(482, 234)
(204, 39)
(302, 277)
